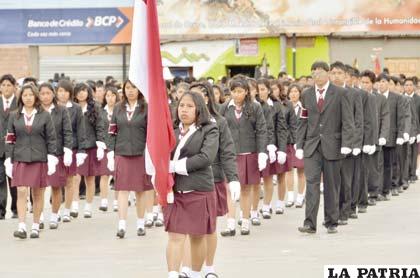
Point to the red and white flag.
(146, 73)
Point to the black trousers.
(412, 164)
(372, 176)
(358, 187)
(330, 169)
(388, 160)
(4, 180)
(401, 168)
(349, 184)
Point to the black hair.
(281, 74)
(338, 65)
(320, 64)
(140, 99)
(9, 78)
(37, 104)
(395, 79)
(92, 114)
(67, 86)
(239, 82)
(356, 73)
(99, 83)
(222, 93)
(369, 74)
(297, 86)
(207, 89)
(33, 80)
(50, 87)
(382, 76)
(412, 79)
(282, 94)
(92, 85)
(386, 70)
(266, 83)
(202, 115)
(114, 91)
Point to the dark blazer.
(4, 119)
(332, 127)
(416, 99)
(249, 134)
(77, 126)
(200, 150)
(413, 116)
(224, 166)
(370, 118)
(62, 125)
(397, 115)
(290, 120)
(94, 133)
(269, 112)
(357, 108)
(127, 137)
(33, 146)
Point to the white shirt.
(7, 102)
(270, 102)
(386, 94)
(297, 107)
(108, 112)
(50, 109)
(412, 94)
(325, 88)
(29, 118)
(69, 104)
(130, 111)
(84, 108)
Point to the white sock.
(231, 223)
(140, 223)
(66, 212)
(155, 209)
(75, 205)
(266, 208)
(54, 217)
(208, 269)
(22, 226)
(254, 214)
(115, 203)
(245, 223)
(104, 202)
(186, 270)
(173, 274)
(41, 218)
(122, 225)
(290, 196)
(160, 216)
(149, 216)
(195, 274)
(35, 226)
(280, 204)
(300, 198)
(241, 214)
(88, 207)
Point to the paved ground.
(388, 234)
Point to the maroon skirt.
(104, 166)
(291, 157)
(221, 198)
(59, 178)
(32, 174)
(130, 174)
(72, 169)
(91, 167)
(248, 172)
(191, 213)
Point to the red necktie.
(320, 99)
(129, 115)
(238, 113)
(28, 127)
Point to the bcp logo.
(104, 21)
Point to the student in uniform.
(276, 146)
(8, 104)
(127, 141)
(249, 132)
(94, 144)
(219, 95)
(62, 125)
(64, 98)
(191, 208)
(224, 168)
(30, 155)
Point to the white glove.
(52, 164)
(400, 141)
(372, 149)
(68, 157)
(111, 161)
(299, 154)
(262, 161)
(412, 140)
(382, 142)
(418, 138)
(235, 190)
(345, 150)
(80, 158)
(281, 157)
(170, 198)
(366, 149)
(100, 151)
(356, 151)
(272, 152)
(406, 137)
(294, 146)
(8, 165)
(178, 166)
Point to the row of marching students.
(53, 138)
(238, 142)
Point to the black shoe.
(121, 233)
(20, 234)
(141, 232)
(380, 198)
(148, 224)
(41, 225)
(82, 197)
(362, 210)
(74, 214)
(228, 232)
(34, 233)
(400, 189)
(405, 186)
(387, 197)
(332, 230)
(307, 229)
(14, 215)
(394, 192)
(211, 275)
(245, 231)
(342, 222)
(353, 215)
(371, 202)
(2, 217)
(158, 223)
(104, 209)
